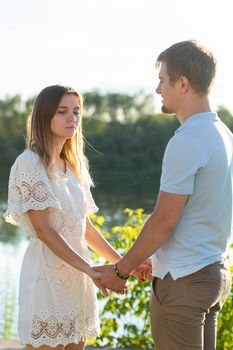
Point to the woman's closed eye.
(76, 113)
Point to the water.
(11, 256)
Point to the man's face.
(167, 91)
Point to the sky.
(109, 45)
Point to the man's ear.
(184, 84)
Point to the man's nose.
(158, 90)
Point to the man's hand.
(109, 279)
(95, 276)
(98, 285)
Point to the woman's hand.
(144, 271)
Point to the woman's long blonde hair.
(39, 134)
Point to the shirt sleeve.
(29, 188)
(90, 205)
(182, 161)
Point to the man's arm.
(156, 230)
(153, 235)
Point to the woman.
(49, 196)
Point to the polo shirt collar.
(198, 116)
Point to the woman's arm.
(55, 242)
(99, 244)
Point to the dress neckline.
(61, 172)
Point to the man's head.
(187, 71)
(191, 60)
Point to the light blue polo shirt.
(198, 162)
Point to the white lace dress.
(57, 303)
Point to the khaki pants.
(184, 311)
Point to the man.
(189, 231)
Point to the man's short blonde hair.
(192, 60)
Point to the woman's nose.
(72, 116)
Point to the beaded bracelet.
(117, 272)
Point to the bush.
(125, 318)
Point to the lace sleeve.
(91, 207)
(28, 189)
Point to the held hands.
(96, 276)
(108, 277)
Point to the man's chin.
(166, 110)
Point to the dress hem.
(51, 344)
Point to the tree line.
(125, 138)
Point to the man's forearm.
(156, 230)
(153, 235)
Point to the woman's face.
(66, 120)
